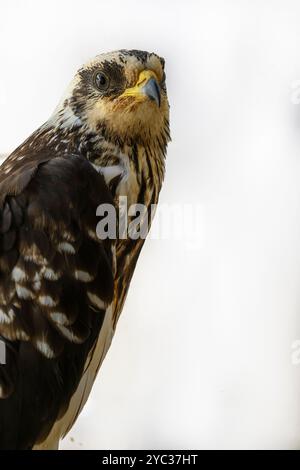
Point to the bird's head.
(122, 94)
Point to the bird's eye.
(101, 81)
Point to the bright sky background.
(202, 354)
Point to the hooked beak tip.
(151, 89)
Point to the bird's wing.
(56, 281)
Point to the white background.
(202, 354)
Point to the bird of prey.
(62, 287)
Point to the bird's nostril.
(141, 82)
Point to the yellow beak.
(146, 87)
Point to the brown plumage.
(62, 288)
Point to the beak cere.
(146, 87)
(151, 89)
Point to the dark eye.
(101, 81)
